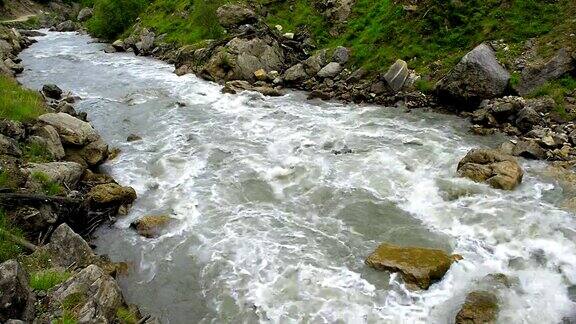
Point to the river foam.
(279, 200)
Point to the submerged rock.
(152, 226)
(499, 170)
(419, 266)
(479, 307)
(476, 77)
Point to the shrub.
(47, 279)
(17, 103)
(112, 17)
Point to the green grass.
(36, 153)
(8, 249)
(47, 279)
(125, 316)
(17, 103)
(67, 318)
(558, 90)
(184, 21)
(49, 187)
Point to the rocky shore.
(53, 193)
(256, 57)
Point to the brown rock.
(112, 193)
(479, 307)
(152, 226)
(419, 266)
(499, 170)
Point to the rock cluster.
(499, 170)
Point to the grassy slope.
(18, 103)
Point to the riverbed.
(278, 201)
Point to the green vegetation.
(184, 21)
(49, 187)
(67, 318)
(36, 153)
(47, 279)
(17, 103)
(8, 249)
(125, 316)
(112, 17)
(37, 261)
(558, 90)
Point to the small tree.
(112, 17)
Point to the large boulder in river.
(234, 15)
(151, 226)
(96, 295)
(476, 77)
(418, 266)
(479, 307)
(499, 170)
(71, 130)
(52, 91)
(536, 74)
(16, 298)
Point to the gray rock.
(535, 75)
(85, 14)
(541, 105)
(16, 299)
(98, 295)
(529, 149)
(71, 130)
(234, 15)
(66, 248)
(93, 154)
(66, 26)
(9, 146)
(64, 173)
(527, 119)
(52, 91)
(11, 128)
(296, 73)
(397, 75)
(341, 55)
(331, 70)
(48, 136)
(119, 45)
(35, 220)
(17, 68)
(314, 63)
(146, 43)
(133, 138)
(476, 77)
(357, 75)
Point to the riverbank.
(528, 93)
(52, 198)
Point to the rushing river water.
(274, 225)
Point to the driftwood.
(23, 199)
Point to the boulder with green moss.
(418, 266)
(112, 194)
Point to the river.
(278, 201)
